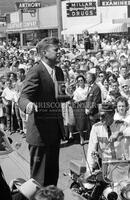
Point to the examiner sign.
(114, 2)
(78, 9)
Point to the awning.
(77, 29)
(109, 28)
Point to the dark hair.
(44, 43)
(122, 99)
(105, 79)
(123, 66)
(50, 193)
(9, 74)
(102, 72)
(80, 76)
(21, 70)
(113, 76)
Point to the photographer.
(107, 137)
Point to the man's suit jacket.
(93, 99)
(44, 127)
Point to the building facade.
(31, 27)
(94, 15)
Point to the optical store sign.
(114, 3)
(81, 9)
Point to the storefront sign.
(30, 24)
(30, 5)
(79, 9)
(26, 10)
(2, 19)
(24, 25)
(114, 2)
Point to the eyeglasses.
(80, 80)
(101, 76)
(124, 86)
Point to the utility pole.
(59, 18)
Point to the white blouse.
(80, 94)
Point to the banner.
(81, 9)
(113, 2)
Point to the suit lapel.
(46, 75)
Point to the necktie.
(113, 153)
(109, 131)
(89, 88)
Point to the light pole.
(59, 18)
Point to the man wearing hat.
(107, 137)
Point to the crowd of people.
(108, 61)
(91, 77)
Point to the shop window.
(54, 33)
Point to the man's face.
(125, 88)
(115, 86)
(101, 77)
(88, 78)
(123, 72)
(98, 55)
(116, 71)
(73, 66)
(107, 118)
(19, 75)
(51, 53)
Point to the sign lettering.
(28, 24)
(22, 5)
(78, 9)
(114, 3)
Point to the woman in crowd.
(67, 111)
(111, 78)
(125, 90)
(79, 98)
(122, 108)
(104, 89)
(100, 78)
(114, 92)
(7, 96)
(87, 43)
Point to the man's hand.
(31, 107)
(116, 136)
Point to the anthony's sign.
(113, 2)
(78, 9)
(29, 5)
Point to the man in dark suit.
(45, 124)
(93, 100)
